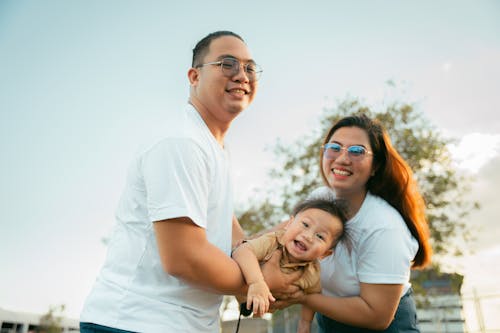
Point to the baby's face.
(311, 234)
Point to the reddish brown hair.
(393, 181)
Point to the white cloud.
(481, 279)
(462, 94)
(481, 270)
(485, 192)
(475, 150)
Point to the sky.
(84, 83)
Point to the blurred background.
(84, 83)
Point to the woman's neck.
(355, 201)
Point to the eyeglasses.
(356, 153)
(231, 67)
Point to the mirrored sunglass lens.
(333, 147)
(356, 150)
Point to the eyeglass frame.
(346, 149)
(258, 71)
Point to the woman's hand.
(297, 297)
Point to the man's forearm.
(186, 253)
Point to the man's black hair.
(202, 47)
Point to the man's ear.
(326, 254)
(193, 76)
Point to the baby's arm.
(258, 294)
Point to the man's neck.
(216, 127)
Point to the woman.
(366, 285)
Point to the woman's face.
(348, 176)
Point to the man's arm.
(238, 235)
(186, 254)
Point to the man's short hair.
(202, 47)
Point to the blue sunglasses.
(332, 151)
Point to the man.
(167, 265)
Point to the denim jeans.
(405, 320)
(94, 328)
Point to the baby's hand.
(259, 297)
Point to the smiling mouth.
(238, 91)
(341, 172)
(301, 246)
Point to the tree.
(51, 321)
(419, 143)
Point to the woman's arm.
(374, 308)
(306, 317)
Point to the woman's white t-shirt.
(381, 250)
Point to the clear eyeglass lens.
(251, 68)
(231, 67)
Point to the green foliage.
(419, 143)
(432, 281)
(51, 321)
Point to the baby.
(311, 234)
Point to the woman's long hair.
(393, 181)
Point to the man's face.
(220, 97)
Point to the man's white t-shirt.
(187, 173)
(381, 250)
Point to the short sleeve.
(264, 245)
(176, 177)
(385, 256)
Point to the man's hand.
(279, 282)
